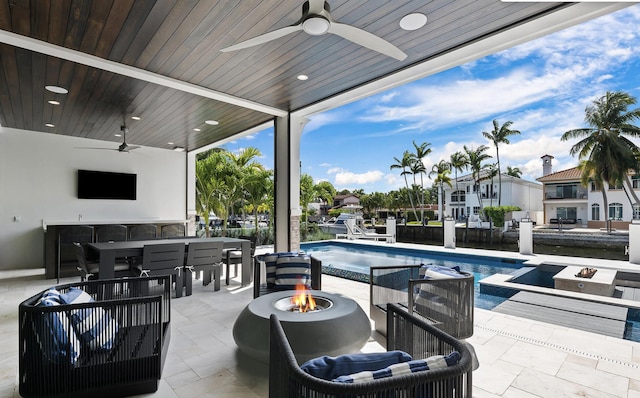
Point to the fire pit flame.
(303, 301)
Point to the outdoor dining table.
(109, 251)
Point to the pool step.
(579, 314)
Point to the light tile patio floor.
(519, 358)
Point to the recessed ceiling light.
(178, 149)
(302, 77)
(50, 125)
(54, 102)
(118, 135)
(212, 122)
(135, 117)
(196, 129)
(169, 143)
(56, 89)
(413, 21)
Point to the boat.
(335, 225)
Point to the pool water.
(353, 261)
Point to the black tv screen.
(106, 185)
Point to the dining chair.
(89, 269)
(143, 232)
(164, 259)
(234, 256)
(172, 231)
(206, 257)
(67, 236)
(111, 233)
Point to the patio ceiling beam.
(53, 50)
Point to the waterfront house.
(567, 201)
(465, 201)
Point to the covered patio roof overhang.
(161, 61)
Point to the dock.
(605, 319)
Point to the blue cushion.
(58, 340)
(270, 261)
(329, 368)
(431, 271)
(293, 270)
(418, 365)
(95, 327)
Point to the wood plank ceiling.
(182, 40)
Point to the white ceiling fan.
(316, 20)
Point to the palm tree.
(405, 165)
(458, 161)
(514, 172)
(499, 135)
(326, 191)
(476, 158)
(441, 170)
(215, 179)
(244, 164)
(604, 145)
(308, 193)
(255, 184)
(422, 151)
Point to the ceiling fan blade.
(101, 149)
(267, 37)
(366, 39)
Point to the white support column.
(191, 193)
(288, 130)
(526, 236)
(634, 242)
(449, 233)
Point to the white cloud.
(388, 97)
(335, 116)
(349, 178)
(325, 164)
(570, 64)
(249, 137)
(334, 170)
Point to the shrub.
(496, 214)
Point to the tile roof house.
(567, 201)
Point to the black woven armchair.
(448, 303)
(405, 332)
(134, 315)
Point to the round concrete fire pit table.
(340, 327)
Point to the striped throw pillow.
(57, 338)
(291, 271)
(94, 326)
(404, 368)
(270, 261)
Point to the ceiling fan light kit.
(316, 26)
(316, 21)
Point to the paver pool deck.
(519, 358)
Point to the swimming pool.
(353, 261)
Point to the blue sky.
(542, 86)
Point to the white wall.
(38, 174)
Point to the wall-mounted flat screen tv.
(106, 185)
